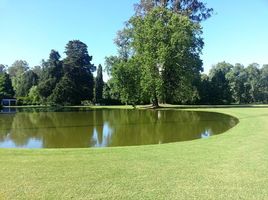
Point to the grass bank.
(233, 165)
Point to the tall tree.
(220, 88)
(77, 70)
(99, 85)
(237, 78)
(51, 74)
(168, 46)
(253, 82)
(16, 70)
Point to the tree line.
(67, 81)
(158, 61)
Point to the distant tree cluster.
(65, 82)
(227, 83)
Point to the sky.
(29, 29)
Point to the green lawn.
(233, 165)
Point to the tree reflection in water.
(102, 128)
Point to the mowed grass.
(233, 165)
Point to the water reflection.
(106, 128)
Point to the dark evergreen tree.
(65, 93)
(6, 89)
(77, 70)
(51, 74)
(99, 85)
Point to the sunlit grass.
(233, 165)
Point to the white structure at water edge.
(8, 102)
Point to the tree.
(16, 70)
(77, 70)
(264, 84)
(65, 93)
(52, 72)
(26, 81)
(168, 46)
(220, 88)
(204, 90)
(237, 78)
(110, 94)
(6, 89)
(126, 76)
(196, 10)
(34, 95)
(99, 85)
(253, 82)
(37, 70)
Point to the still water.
(107, 128)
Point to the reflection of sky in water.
(206, 134)
(106, 136)
(33, 143)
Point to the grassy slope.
(233, 165)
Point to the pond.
(82, 128)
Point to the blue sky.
(29, 29)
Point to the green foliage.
(99, 86)
(264, 84)
(25, 82)
(69, 81)
(253, 82)
(52, 72)
(234, 84)
(77, 56)
(110, 94)
(168, 47)
(16, 70)
(6, 89)
(34, 95)
(65, 93)
(24, 101)
(78, 70)
(220, 88)
(237, 78)
(126, 75)
(195, 10)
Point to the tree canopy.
(164, 47)
(195, 10)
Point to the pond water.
(107, 128)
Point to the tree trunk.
(155, 101)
